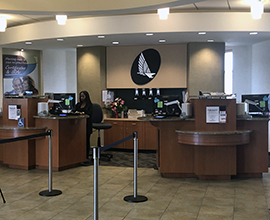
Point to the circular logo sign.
(145, 66)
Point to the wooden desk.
(214, 152)
(68, 142)
(178, 159)
(19, 154)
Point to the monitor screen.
(67, 101)
(167, 105)
(257, 103)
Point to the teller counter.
(68, 142)
(19, 154)
(183, 152)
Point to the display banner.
(19, 74)
(17, 66)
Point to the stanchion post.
(4, 201)
(50, 192)
(135, 197)
(96, 156)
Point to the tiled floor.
(168, 199)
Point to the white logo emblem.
(143, 68)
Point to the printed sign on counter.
(12, 112)
(212, 114)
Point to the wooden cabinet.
(130, 127)
(150, 139)
(115, 133)
(121, 128)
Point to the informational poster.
(212, 114)
(20, 73)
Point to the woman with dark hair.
(29, 85)
(85, 106)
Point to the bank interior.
(211, 146)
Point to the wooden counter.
(123, 127)
(178, 159)
(19, 154)
(68, 142)
(212, 150)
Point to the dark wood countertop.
(62, 117)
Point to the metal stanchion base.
(135, 199)
(54, 192)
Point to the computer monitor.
(167, 105)
(258, 104)
(67, 101)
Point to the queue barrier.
(96, 157)
(4, 201)
(50, 191)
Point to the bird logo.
(144, 68)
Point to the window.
(228, 72)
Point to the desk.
(19, 154)
(176, 159)
(68, 141)
(214, 152)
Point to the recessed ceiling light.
(60, 39)
(79, 45)
(210, 40)
(162, 41)
(149, 34)
(115, 42)
(28, 42)
(22, 49)
(253, 33)
(101, 37)
(201, 33)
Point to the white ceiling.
(231, 38)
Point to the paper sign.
(12, 112)
(212, 114)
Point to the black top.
(88, 109)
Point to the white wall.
(252, 71)
(60, 70)
(261, 71)
(261, 67)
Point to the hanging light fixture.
(61, 19)
(3, 24)
(257, 8)
(163, 13)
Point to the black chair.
(97, 124)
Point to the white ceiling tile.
(220, 4)
(185, 7)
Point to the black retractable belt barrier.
(4, 201)
(49, 192)
(96, 156)
(135, 197)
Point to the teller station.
(213, 144)
(68, 136)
